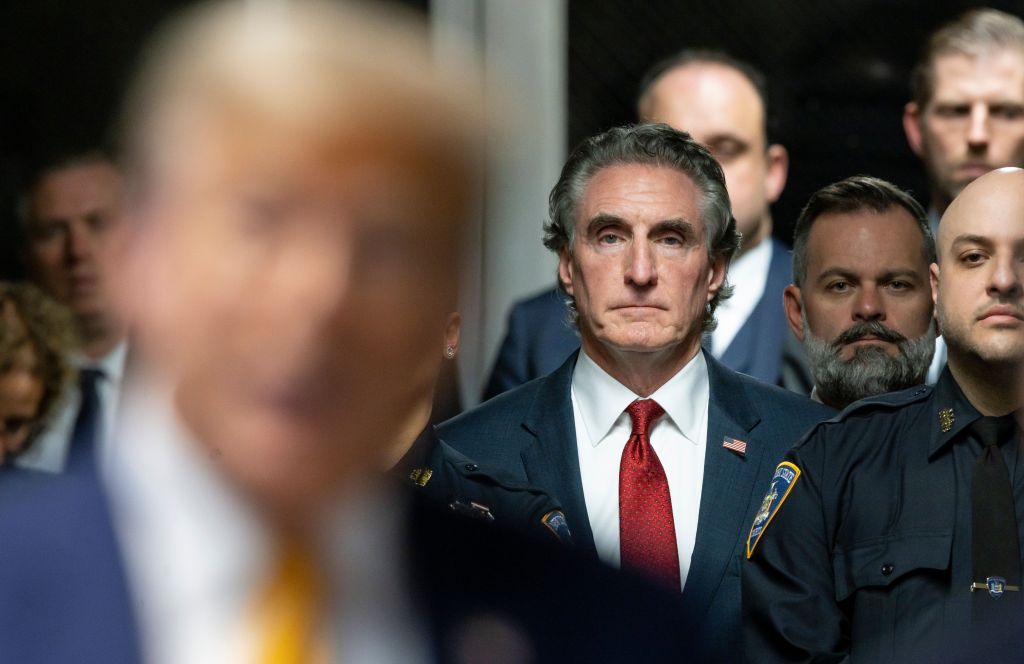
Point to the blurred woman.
(36, 339)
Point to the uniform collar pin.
(946, 419)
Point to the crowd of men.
(806, 454)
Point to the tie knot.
(995, 430)
(643, 413)
(88, 377)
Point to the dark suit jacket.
(530, 433)
(539, 338)
(65, 597)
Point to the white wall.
(522, 44)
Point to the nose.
(314, 281)
(79, 242)
(978, 130)
(641, 269)
(1005, 278)
(868, 305)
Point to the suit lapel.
(728, 482)
(551, 460)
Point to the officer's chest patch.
(785, 477)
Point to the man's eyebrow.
(838, 272)
(968, 238)
(603, 219)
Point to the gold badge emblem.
(946, 419)
(421, 476)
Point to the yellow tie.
(288, 612)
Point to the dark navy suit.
(540, 337)
(530, 433)
(65, 596)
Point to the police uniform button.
(887, 569)
(471, 467)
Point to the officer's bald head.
(978, 284)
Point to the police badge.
(785, 477)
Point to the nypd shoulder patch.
(785, 477)
(556, 523)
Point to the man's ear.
(792, 301)
(452, 331)
(565, 270)
(716, 276)
(912, 127)
(777, 171)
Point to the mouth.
(1002, 314)
(973, 170)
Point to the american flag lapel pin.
(734, 445)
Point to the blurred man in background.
(966, 115)
(71, 214)
(860, 300)
(299, 177)
(723, 103)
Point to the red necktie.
(647, 533)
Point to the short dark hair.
(56, 160)
(691, 56)
(653, 145)
(973, 32)
(860, 192)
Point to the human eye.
(838, 286)
(899, 285)
(1007, 111)
(609, 236)
(48, 230)
(972, 257)
(952, 111)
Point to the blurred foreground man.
(298, 177)
(723, 103)
(73, 227)
(651, 446)
(893, 532)
(860, 300)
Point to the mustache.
(870, 328)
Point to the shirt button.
(887, 569)
(471, 467)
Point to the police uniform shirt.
(862, 546)
(447, 477)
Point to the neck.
(761, 232)
(409, 431)
(98, 336)
(642, 372)
(939, 202)
(994, 389)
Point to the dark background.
(838, 70)
(839, 75)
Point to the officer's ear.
(793, 302)
(933, 278)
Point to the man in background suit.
(293, 234)
(72, 227)
(723, 103)
(652, 447)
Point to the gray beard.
(870, 371)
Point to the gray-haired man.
(652, 447)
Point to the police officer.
(448, 477)
(893, 531)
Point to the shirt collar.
(602, 399)
(111, 364)
(951, 412)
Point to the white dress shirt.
(196, 554)
(749, 275)
(48, 451)
(679, 438)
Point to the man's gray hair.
(649, 145)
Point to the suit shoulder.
(772, 398)
(549, 300)
(500, 409)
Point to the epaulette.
(887, 401)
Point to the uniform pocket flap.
(879, 562)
